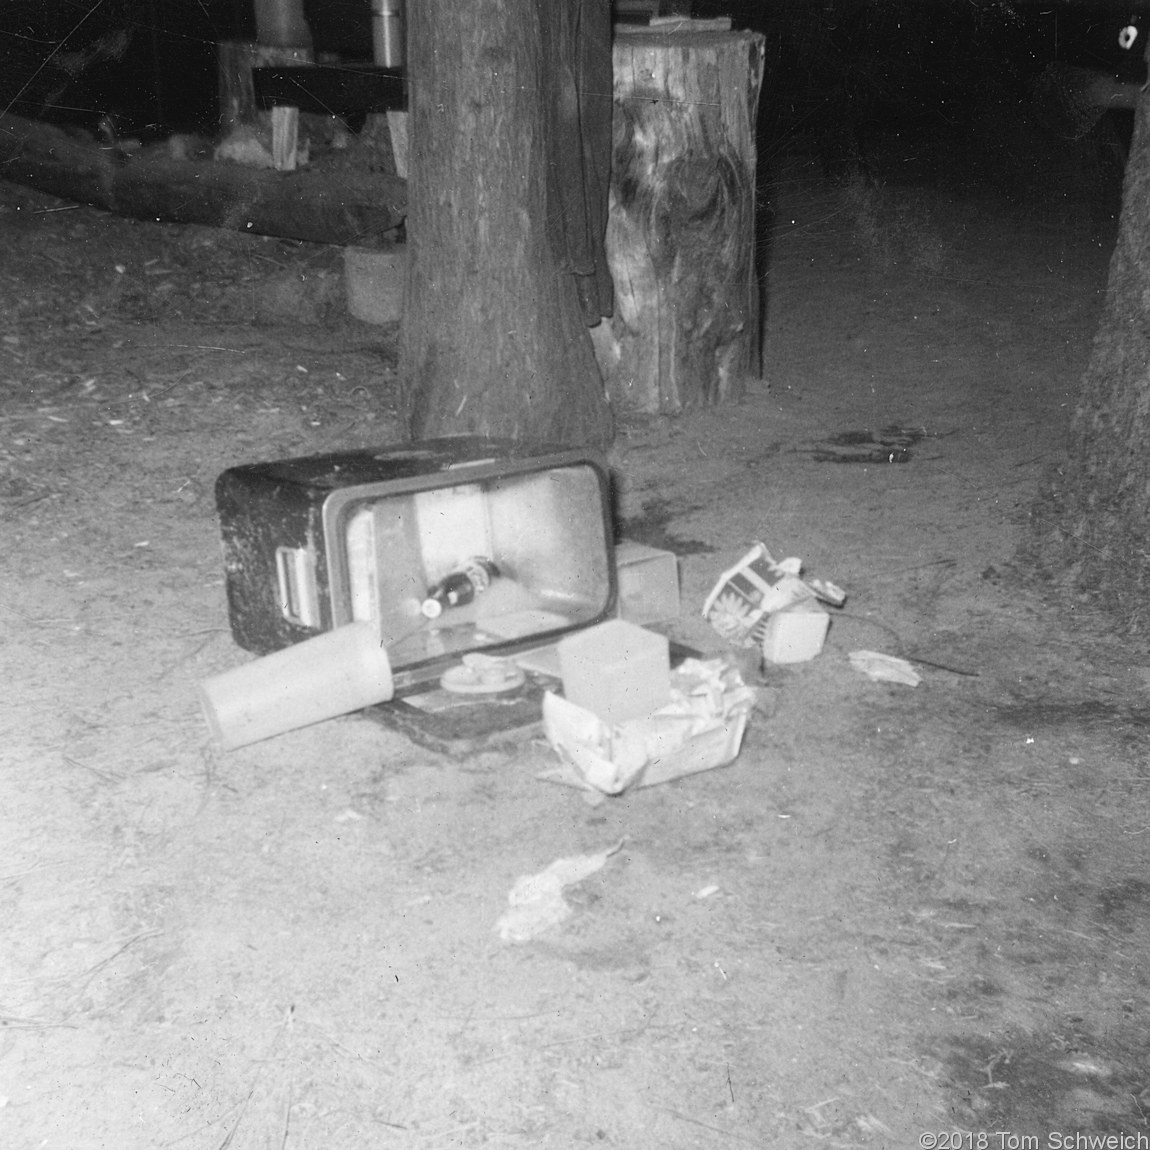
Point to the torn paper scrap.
(828, 592)
(701, 728)
(536, 901)
(884, 668)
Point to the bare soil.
(900, 911)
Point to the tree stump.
(681, 228)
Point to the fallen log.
(305, 205)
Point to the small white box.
(374, 278)
(796, 634)
(648, 583)
(616, 670)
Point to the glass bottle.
(460, 587)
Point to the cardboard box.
(648, 583)
(701, 728)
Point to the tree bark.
(503, 94)
(1091, 521)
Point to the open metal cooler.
(313, 543)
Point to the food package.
(758, 587)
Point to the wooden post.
(285, 137)
(681, 230)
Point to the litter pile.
(467, 581)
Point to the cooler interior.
(545, 530)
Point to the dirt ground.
(901, 912)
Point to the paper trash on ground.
(536, 901)
(701, 728)
(757, 587)
(884, 668)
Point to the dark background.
(915, 67)
(165, 76)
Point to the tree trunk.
(509, 124)
(1091, 522)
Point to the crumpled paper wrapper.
(700, 729)
(536, 902)
(884, 668)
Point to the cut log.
(681, 230)
(303, 205)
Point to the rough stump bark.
(509, 136)
(681, 236)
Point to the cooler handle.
(295, 575)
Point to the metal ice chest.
(313, 543)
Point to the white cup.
(331, 674)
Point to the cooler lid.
(380, 465)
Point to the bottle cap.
(431, 608)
